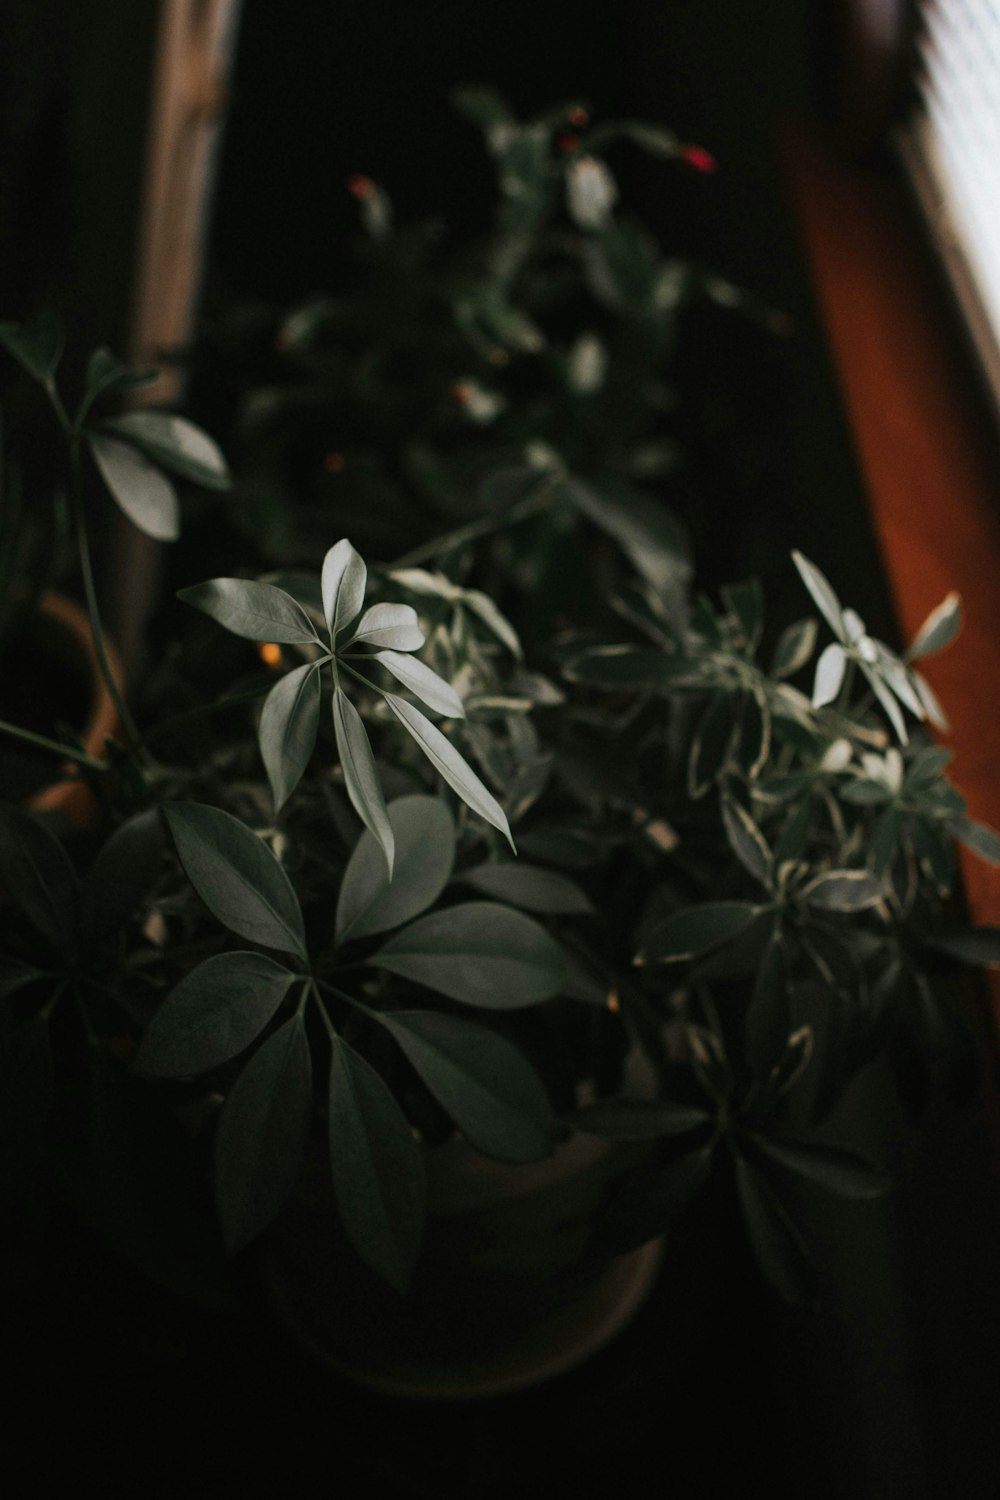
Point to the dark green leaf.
(38, 876)
(529, 887)
(213, 1014)
(450, 765)
(138, 488)
(648, 532)
(653, 1200)
(106, 374)
(978, 837)
(622, 1119)
(484, 1083)
(14, 975)
(479, 953)
(776, 1242)
(754, 740)
(124, 872)
(289, 722)
(746, 602)
(746, 840)
(255, 611)
(885, 842)
(795, 646)
(711, 744)
(767, 1018)
(343, 581)
(262, 1134)
(632, 668)
(843, 890)
(173, 443)
(424, 838)
(698, 929)
(37, 346)
(938, 630)
(378, 1171)
(831, 1167)
(237, 876)
(977, 945)
(361, 777)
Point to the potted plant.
(301, 949)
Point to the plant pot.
(508, 1290)
(61, 680)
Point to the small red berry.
(578, 117)
(333, 462)
(698, 158)
(460, 393)
(360, 186)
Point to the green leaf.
(483, 106)
(393, 625)
(344, 579)
(711, 744)
(482, 605)
(775, 1241)
(255, 611)
(938, 630)
(237, 876)
(844, 891)
(262, 1133)
(529, 887)
(624, 667)
(746, 602)
(37, 346)
(105, 374)
(138, 488)
(424, 839)
(795, 646)
(830, 669)
(887, 700)
(124, 872)
(378, 1170)
(38, 876)
(831, 1167)
(481, 1080)
(623, 1119)
(766, 1026)
(977, 945)
(450, 765)
(480, 954)
(173, 443)
(289, 723)
(746, 840)
(697, 930)
(425, 683)
(981, 839)
(823, 596)
(361, 774)
(647, 532)
(212, 1015)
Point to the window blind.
(952, 147)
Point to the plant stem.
(65, 752)
(96, 628)
(537, 500)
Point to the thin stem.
(358, 677)
(537, 500)
(314, 987)
(65, 752)
(90, 592)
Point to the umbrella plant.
(390, 852)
